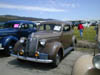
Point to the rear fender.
(74, 40)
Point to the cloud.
(30, 8)
(65, 4)
(69, 5)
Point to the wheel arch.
(61, 52)
(7, 40)
(74, 39)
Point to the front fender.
(84, 66)
(8, 39)
(52, 48)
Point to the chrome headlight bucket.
(22, 40)
(43, 42)
(96, 61)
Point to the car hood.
(7, 31)
(45, 34)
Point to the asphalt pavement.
(11, 66)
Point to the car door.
(66, 36)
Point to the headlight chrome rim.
(22, 40)
(96, 61)
(43, 42)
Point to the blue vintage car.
(12, 31)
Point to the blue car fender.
(6, 40)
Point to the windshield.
(49, 27)
(11, 25)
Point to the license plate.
(0, 45)
(43, 56)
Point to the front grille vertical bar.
(26, 48)
(33, 46)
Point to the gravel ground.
(10, 66)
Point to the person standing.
(80, 28)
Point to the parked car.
(49, 45)
(12, 31)
(86, 24)
(89, 64)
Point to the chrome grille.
(31, 46)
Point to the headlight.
(22, 40)
(21, 52)
(43, 42)
(96, 61)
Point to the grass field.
(89, 34)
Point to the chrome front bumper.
(32, 59)
(1, 49)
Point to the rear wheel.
(74, 46)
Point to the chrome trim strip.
(1, 49)
(32, 59)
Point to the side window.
(66, 28)
(44, 27)
(30, 25)
(41, 27)
(48, 27)
(24, 26)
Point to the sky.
(52, 9)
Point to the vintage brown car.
(89, 64)
(49, 45)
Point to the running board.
(66, 51)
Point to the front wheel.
(57, 60)
(20, 60)
(9, 49)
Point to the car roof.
(56, 22)
(20, 21)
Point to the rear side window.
(66, 28)
(11, 25)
